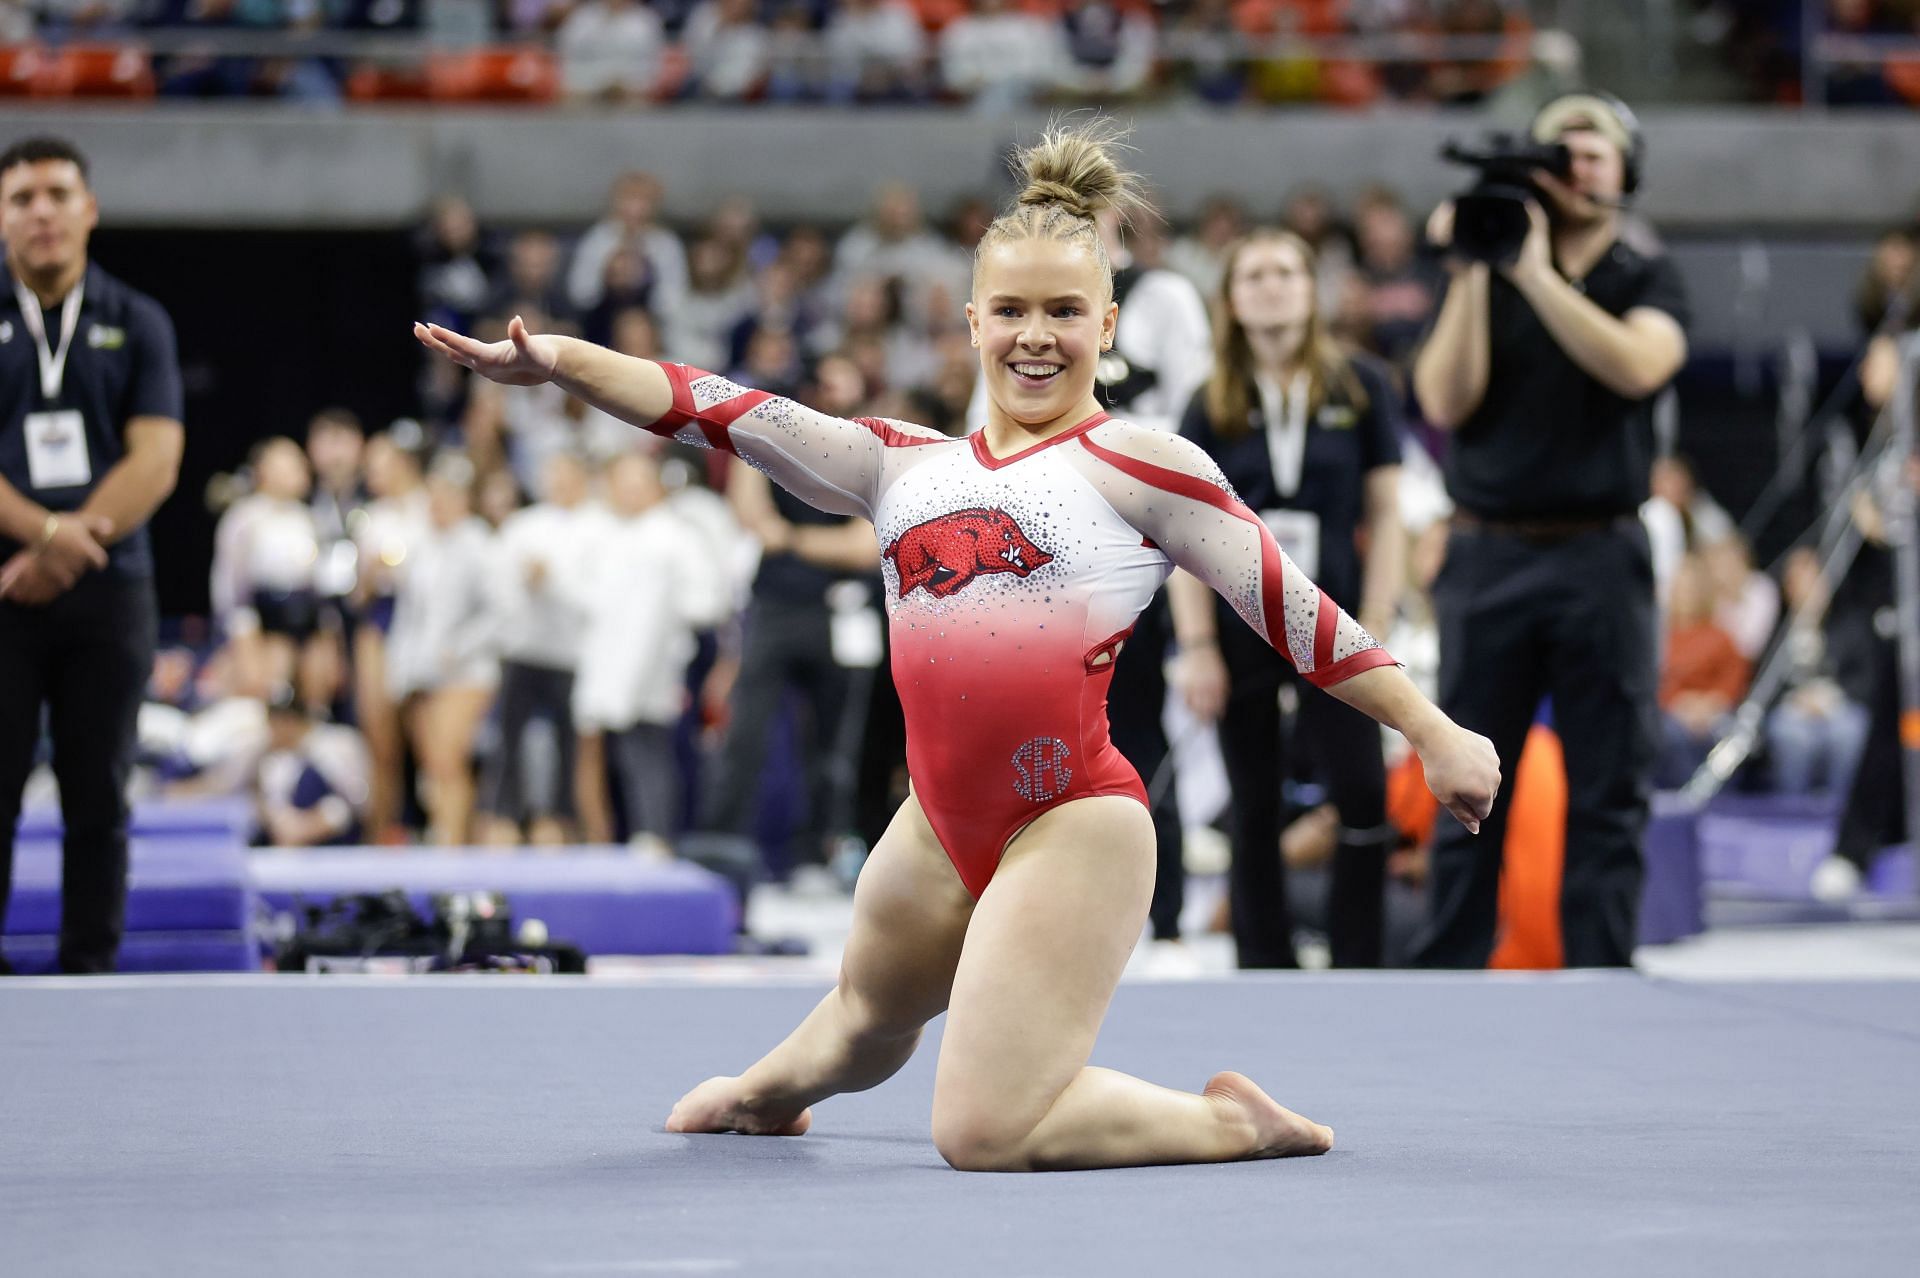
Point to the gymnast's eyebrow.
(1000, 299)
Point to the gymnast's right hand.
(522, 360)
(1463, 771)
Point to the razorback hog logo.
(946, 553)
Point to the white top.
(604, 48)
(339, 756)
(999, 49)
(442, 636)
(652, 582)
(542, 625)
(262, 543)
(728, 61)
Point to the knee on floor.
(973, 1140)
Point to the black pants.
(1135, 701)
(530, 694)
(86, 658)
(1572, 619)
(1345, 745)
(791, 647)
(649, 776)
(1876, 812)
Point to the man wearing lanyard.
(90, 441)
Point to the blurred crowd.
(516, 620)
(992, 52)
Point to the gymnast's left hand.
(524, 359)
(1463, 771)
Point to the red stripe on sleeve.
(1272, 589)
(1348, 667)
(713, 422)
(1324, 624)
(892, 437)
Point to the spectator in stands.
(719, 297)
(611, 50)
(335, 442)
(1109, 50)
(396, 520)
(1702, 677)
(1209, 52)
(439, 663)
(1816, 732)
(727, 50)
(795, 70)
(651, 582)
(265, 550)
(632, 221)
(999, 56)
(497, 497)
(1200, 255)
(312, 781)
(1399, 290)
(1311, 214)
(1888, 287)
(532, 285)
(1746, 603)
(1702, 518)
(627, 284)
(16, 21)
(540, 623)
(875, 52)
(895, 243)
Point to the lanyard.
(1286, 414)
(53, 364)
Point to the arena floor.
(1571, 1125)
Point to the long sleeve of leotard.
(1169, 489)
(835, 464)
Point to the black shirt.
(787, 578)
(122, 364)
(1548, 440)
(1342, 444)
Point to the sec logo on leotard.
(1041, 768)
(946, 553)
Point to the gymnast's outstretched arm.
(832, 463)
(1170, 490)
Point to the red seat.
(19, 63)
(510, 73)
(94, 71)
(373, 82)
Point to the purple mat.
(227, 818)
(34, 955)
(605, 902)
(174, 885)
(1670, 895)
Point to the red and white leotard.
(1012, 581)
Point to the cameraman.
(1543, 367)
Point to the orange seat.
(94, 71)
(370, 82)
(19, 64)
(508, 73)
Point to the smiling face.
(1042, 312)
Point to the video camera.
(1490, 217)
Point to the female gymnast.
(1012, 885)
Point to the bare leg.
(1045, 950)
(590, 788)
(380, 725)
(447, 719)
(909, 920)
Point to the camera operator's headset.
(1603, 114)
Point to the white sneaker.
(1836, 880)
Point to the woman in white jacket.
(440, 666)
(264, 553)
(653, 583)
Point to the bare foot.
(718, 1105)
(1278, 1131)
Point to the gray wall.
(226, 166)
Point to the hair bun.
(1072, 165)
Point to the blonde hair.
(1230, 388)
(1070, 174)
